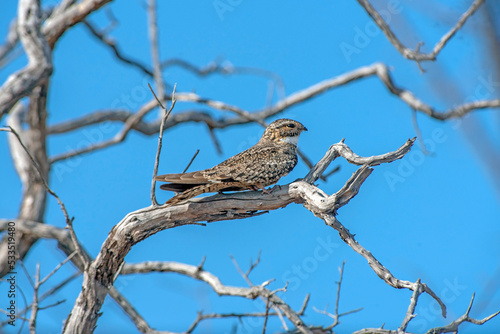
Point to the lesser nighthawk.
(263, 164)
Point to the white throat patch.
(291, 140)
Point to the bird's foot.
(260, 187)
(276, 186)
(266, 191)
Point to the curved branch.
(415, 54)
(68, 16)
(118, 138)
(37, 41)
(197, 272)
(39, 56)
(111, 43)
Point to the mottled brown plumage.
(263, 164)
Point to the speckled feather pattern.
(273, 157)
(263, 164)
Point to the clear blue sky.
(441, 224)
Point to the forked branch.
(415, 54)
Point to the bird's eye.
(291, 125)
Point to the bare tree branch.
(38, 230)
(222, 290)
(34, 193)
(191, 161)
(418, 132)
(62, 7)
(337, 315)
(48, 293)
(249, 282)
(37, 42)
(34, 305)
(36, 284)
(11, 41)
(118, 138)
(69, 221)
(415, 54)
(8, 50)
(453, 326)
(450, 328)
(39, 56)
(160, 140)
(410, 314)
(155, 52)
(202, 317)
(45, 279)
(70, 13)
(127, 307)
(118, 53)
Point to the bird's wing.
(240, 168)
(220, 173)
(254, 163)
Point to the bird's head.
(283, 131)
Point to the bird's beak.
(304, 129)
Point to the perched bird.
(263, 164)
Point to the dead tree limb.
(39, 55)
(141, 224)
(415, 54)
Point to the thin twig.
(59, 302)
(155, 53)
(191, 161)
(410, 314)
(34, 305)
(57, 267)
(118, 53)
(160, 140)
(130, 310)
(18, 314)
(69, 222)
(336, 315)
(418, 132)
(308, 162)
(249, 282)
(333, 171)
(304, 304)
(253, 264)
(452, 327)
(266, 316)
(47, 294)
(341, 270)
(216, 142)
(28, 276)
(200, 317)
